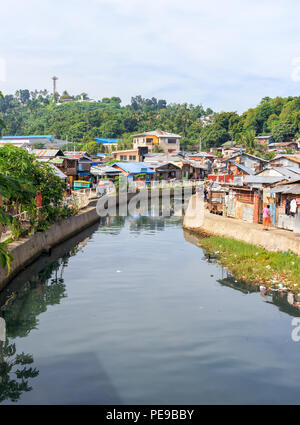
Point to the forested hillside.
(82, 120)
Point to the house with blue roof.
(108, 143)
(135, 170)
(41, 138)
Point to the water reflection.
(285, 301)
(20, 305)
(14, 372)
(20, 314)
(138, 223)
(134, 320)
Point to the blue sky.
(223, 54)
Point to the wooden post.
(256, 208)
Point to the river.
(132, 311)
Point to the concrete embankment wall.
(26, 250)
(212, 224)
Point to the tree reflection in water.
(275, 297)
(19, 315)
(14, 372)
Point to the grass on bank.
(252, 263)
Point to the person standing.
(293, 207)
(266, 217)
(68, 189)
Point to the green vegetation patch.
(252, 263)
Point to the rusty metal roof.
(47, 152)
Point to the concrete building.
(168, 142)
(25, 144)
(137, 155)
(109, 144)
(126, 155)
(48, 141)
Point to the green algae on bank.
(252, 263)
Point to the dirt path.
(273, 239)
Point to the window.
(123, 157)
(149, 140)
(132, 157)
(171, 140)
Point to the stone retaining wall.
(273, 240)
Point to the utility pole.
(200, 144)
(67, 143)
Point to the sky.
(226, 55)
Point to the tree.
(282, 131)
(107, 118)
(24, 96)
(94, 147)
(65, 97)
(35, 178)
(214, 135)
(248, 139)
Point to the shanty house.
(67, 165)
(47, 153)
(286, 161)
(135, 170)
(84, 163)
(252, 162)
(284, 200)
(166, 171)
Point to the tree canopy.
(83, 120)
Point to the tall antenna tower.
(54, 84)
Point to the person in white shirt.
(293, 206)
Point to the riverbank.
(269, 258)
(280, 270)
(215, 225)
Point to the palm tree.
(248, 139)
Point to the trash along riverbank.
(268, 270)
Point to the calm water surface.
(131, 311)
